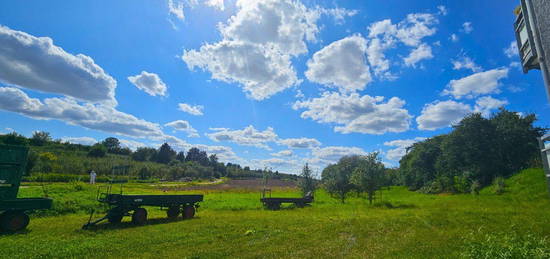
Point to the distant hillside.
(55, 160)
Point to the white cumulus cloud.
(283, 24)
(465, 62)
(149, 83)
(257, 45)
(355, 113)
(339, 14)
(261, 71)
(92, 116)
(485, 105)
(512, 50)
(467, 27)
(249, 136)
(400, 147)
(442, 10)
(420, 53)
(283, 153)
(477, 84)
(454, 37)
(218, 4)
(36, 63)
(384, 35)
(175, 8)
(442, 114)
(300, 142)
(191, 109)
(341, 64)
(185, 126)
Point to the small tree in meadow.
(368, 176)
(307, 182)
(336, 182)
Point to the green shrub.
(461, 184)
(475, 187)
(77, 186)
(499, 185)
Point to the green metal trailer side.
(13, 211)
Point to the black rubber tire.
(300, 204)
(140, 216)
(115, 218)
(173, 212)
(274, 206)
(13, 221)
(188, 212)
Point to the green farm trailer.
(13, 210)
(274, 203)
(132, 205)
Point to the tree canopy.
(477, 150)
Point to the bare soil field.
(246, 184)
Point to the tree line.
(57, 159)
(476, 153)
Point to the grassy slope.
(233, 224)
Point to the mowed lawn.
(233, 224)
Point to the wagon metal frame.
(131, 205)
(14, 211)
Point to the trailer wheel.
(140, 216)
(13, 221)
(173, 212)
(188, 212)
(300, 204)
(115, 218)
(274, 206)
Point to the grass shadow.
(389, 205)
(287, 207)
(129, 224)
(20, 232)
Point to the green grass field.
(233, 224)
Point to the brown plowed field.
(249, 184)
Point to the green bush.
(461, 184)
(475, 187)
(499, 185)
(77, 186)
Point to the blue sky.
(260, 83)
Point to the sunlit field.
(234, 224)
